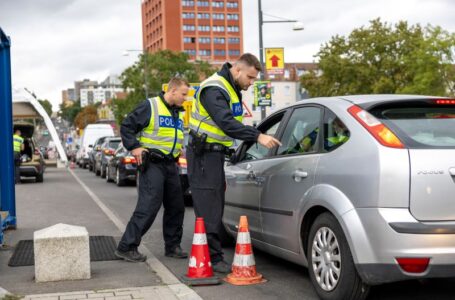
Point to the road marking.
(181, 291)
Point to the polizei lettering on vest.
(167, 121)
(237, 109)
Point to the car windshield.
(114, 144)
(420, 125)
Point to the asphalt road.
(285, 280)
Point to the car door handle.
(298, 175)
(251, 175)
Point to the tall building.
(208, 30)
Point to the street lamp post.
(297, 26)
(144, 52)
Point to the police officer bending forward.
(216, 120)
(160, 123)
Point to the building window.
(203, 16)
(187, 15)
(232, 16)
(218, 28)
(189, 27)
(217, 4)
(187, 3)
(218, 40)
(218, 16)
(205, 52)
(203, 28)
(234, 40)
(203, 3)
(232, 5)
(233, 28)
(204, 40)
(190, 51)
(188, 39)
(234, 52)
(219, 52)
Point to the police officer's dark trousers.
(206, 177)
(17, 167)
(160, 183)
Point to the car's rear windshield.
(420, 124)
(114, 144)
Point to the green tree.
(69, 113)
(382, 58)
(161, 67)
(47, 106)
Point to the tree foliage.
(87, 115)
(156, 69)
(382, 59)
(69, 113)
(47, 106)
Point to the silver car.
(362, 190)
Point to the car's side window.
(257, 151)
(301, 134)
(335, 132)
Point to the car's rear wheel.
(330, 263)
(108, 178)
(118, 180)
(103, 171)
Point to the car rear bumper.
(30, 171)
(379, 241)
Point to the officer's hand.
(268, 141)
(137, 153)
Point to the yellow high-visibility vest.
(200, 120)
(17, 142)
(162, 133)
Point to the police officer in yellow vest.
(217, 117)
(159, 123)
(18, 146)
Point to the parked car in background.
(102, 157)
(360, 192)
(122, 167)
(93, 151)
(32, 159)
(91, 133)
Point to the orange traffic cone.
(200, 271)
(244, 266)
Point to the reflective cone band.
(200, 271)
(244, 265)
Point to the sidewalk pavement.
(63, 198)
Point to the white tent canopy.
(25, 106)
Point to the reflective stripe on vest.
(161, 132)
(200, 120)
(17, 143)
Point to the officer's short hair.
(176, 82)
(251, 61)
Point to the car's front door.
(244, 182)
(288, 176)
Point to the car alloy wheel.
(326, 259)
(117, 176)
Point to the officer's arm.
(137, 120)
(215, 101)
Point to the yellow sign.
(274, 60)
(188, 103)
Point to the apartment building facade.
(209, 30)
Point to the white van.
(91, 133)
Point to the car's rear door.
(288, 176)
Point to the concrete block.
(61, 253)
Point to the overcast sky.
(55, 42)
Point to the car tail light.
(378, 130)
(445, 101)
(182, 162)
(129, 160)
(413, 264)
(108, 151)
